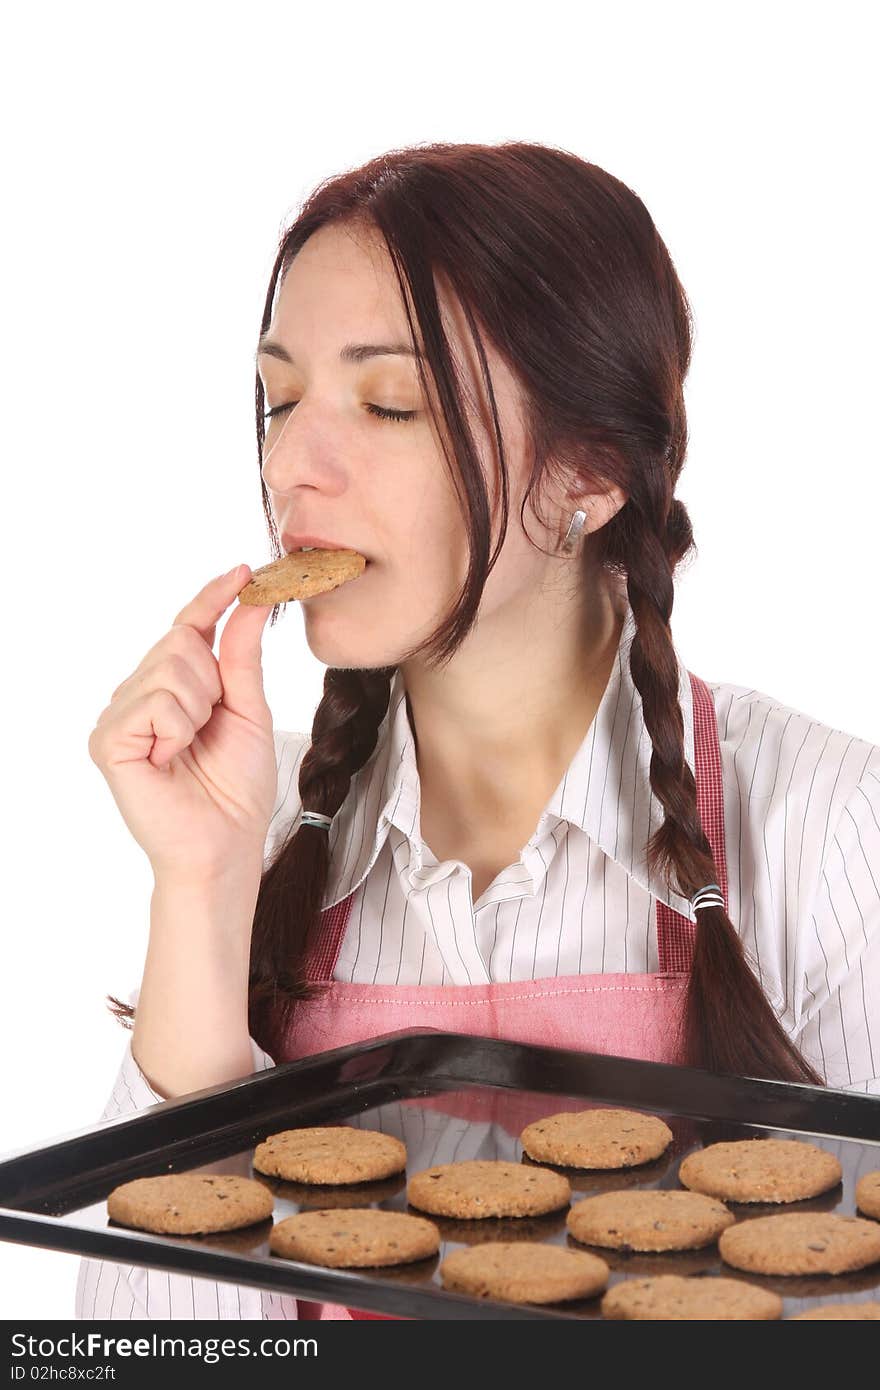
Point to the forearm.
(191, 1024)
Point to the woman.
(524, 817)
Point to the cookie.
(486, 1187)
(797, 1242)
(301, 574)
(760, 1170)
(524, 1272)
(649, 1220)
(868, 1194)
(187, 1204)
(350, 1239)
(596, 1138)
(840, 1310)
(696, 1299)
(330, 1154)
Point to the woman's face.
(334, 468)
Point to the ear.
(600, 507)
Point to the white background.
(152, 158)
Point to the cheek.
(519, 576)
(415, 588)
(430, 579)
(425, 520)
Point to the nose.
(300, 451)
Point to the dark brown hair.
(561, 265)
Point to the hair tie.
(315, 818)
(707, 897)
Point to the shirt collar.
(605, 791)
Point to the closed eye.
(378, 410)
(384, 414)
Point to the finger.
(241, 662)
(172, 726)
(203, 612)
(180, 678)
(155, 728)
(200, 618)
(179, 653)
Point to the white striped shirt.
(802, 839)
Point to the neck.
(496, 730)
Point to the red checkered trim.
(321, 960)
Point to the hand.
(186, 742)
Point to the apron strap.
(675, 933)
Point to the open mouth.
(331, 550)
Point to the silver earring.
(572, 536)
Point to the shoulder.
(772, 751)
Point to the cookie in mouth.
(302, 574)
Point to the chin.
(345, 645)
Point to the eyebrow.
(352, 352)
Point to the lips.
(292, 542)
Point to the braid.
(728, 1025)
(345, 731)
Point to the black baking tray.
(448, 1096)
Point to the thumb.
(240, 658)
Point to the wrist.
(205, 909)
(210, 880)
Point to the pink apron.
(624, 1015)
